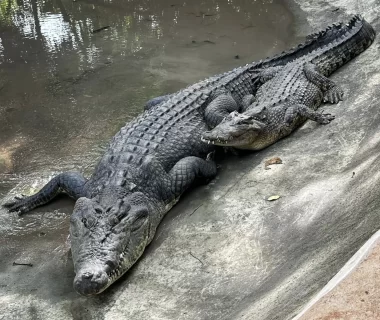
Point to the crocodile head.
(236, 130)
(107, 240)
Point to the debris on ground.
(22, 264)
(274, 198)
(275, 160)
(100, 29)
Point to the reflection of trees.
(7, 9)
(129, 20)
(36, 19)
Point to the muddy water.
(65, 90)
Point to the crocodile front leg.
(187, 170)
(70, 182)
(302, 110)
(331, 91)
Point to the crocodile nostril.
(111, 264)
(87, 275)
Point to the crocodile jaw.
(106, 243)
(94, 276)
(230, 136)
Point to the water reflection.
(59, 25)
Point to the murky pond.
(73, 72)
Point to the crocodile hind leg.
(70, 182)
(267, 74)
(187, 170)
(302, 110)
(331, 91)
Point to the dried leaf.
(275, 160)
(273, 198)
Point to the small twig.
(100, 29)
(248, 26)
(196, 258)
(196, 209)
(22, 264)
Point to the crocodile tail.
(312, 42)
(357, 37)
(329, 34)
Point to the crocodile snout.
(90, 282)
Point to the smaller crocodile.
(291, 94)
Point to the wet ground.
(66, 87)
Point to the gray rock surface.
(225, 252)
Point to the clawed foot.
(210, 156)
(19, 204)
(325, 118)
(333, 95)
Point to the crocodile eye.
(113, 220)
(88, 222)
(138, 218)
(121, 214)
(98, 210)
(246, 121)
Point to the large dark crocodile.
(149, 163)
(292, 93)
